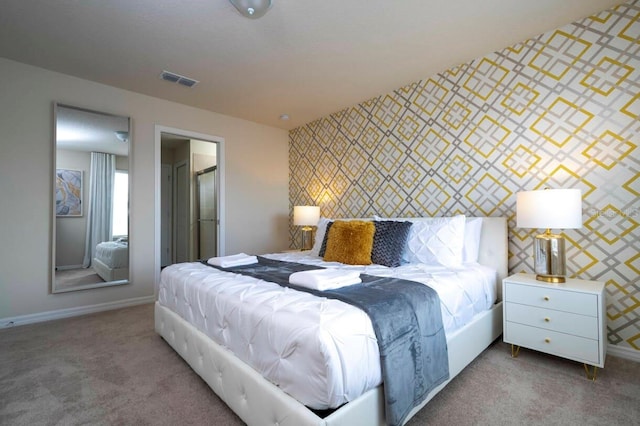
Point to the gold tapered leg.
(591, 375)
(515, 350)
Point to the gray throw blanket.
(406, 319)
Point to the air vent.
(177, 78)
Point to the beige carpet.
(112, 369)
(76, 277)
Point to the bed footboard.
(109, 274)
(255, 400)
(259, 402)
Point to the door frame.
(166, 188)
(220, 162)
(181, 187)
(198, 232)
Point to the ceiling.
(303, 58)
(83, 130)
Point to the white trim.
(176, 184)
(157, 205)
(623, 352)
(73, 312)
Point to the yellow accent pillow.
(350, 242)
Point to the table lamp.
(549, 209)
(306, 216)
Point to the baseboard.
(68, 267)
(72, 312)
(623, 352)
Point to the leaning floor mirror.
(90, 232)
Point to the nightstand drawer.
(549, 319)
(565, 345)
(552, 298)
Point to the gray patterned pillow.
(389, 242)
(323, 247)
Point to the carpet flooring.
(111, 368)
(76, 277)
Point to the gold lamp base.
(549, 258)
(307, 238)
(550, 278)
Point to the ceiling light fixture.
(122, 135)
(253, 9)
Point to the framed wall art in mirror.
(90, 232)
(68, 192)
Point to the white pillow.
(437, 240)
(472, 232)
(320, 231)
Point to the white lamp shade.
(549, 209)
(306, 215)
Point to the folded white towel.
(232, 260)
(325, 279)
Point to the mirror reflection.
(91, 194)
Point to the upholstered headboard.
(494, 249)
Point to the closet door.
(207, 217)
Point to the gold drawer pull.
(547, 340)
(546, 298)
(547, 319)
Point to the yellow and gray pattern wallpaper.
(561, 110)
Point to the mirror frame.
(54, 161)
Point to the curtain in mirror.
(100, 210)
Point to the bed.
(111, 261)
(256, 400)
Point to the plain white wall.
(257, 175)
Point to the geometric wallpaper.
(561, 110)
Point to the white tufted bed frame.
(259, 402)
(108, 273)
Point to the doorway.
(190, 201)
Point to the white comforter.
(322, 352)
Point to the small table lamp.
(306, 216)
(549, 209)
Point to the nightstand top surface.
(570, 284)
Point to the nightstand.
(566, 320)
